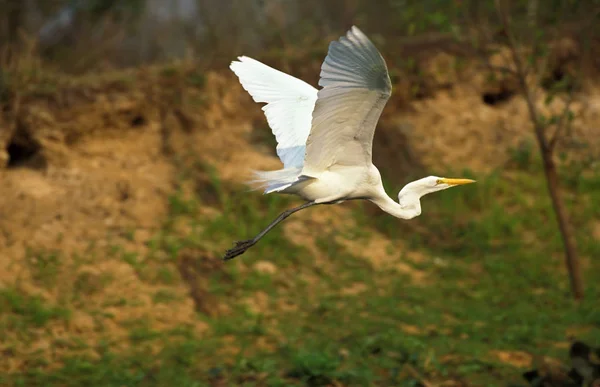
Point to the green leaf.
(531, 59)
(562, 156)
(542, 120)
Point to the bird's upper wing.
(356, 87)
(290, 102)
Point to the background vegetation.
(125, 140)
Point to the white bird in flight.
(325, 137)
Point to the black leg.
(241, 246)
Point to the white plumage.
(356, 87)
(325, 137)
(289, 106)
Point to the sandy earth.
(105, 165)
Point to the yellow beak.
(455, 181)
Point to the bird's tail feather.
(275, 181)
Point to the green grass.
(44, 267)
(495, 282)
(20, 312)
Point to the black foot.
(239, 249)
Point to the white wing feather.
(290, 102)
(356, 87)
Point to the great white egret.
(325, 137)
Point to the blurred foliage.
(469, 285)
(332, 316)
(118, 8)
(141, 31)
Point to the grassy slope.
(494, 282)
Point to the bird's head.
(411, 193)
(431, 184)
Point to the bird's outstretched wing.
(356, 87)
(290, 102)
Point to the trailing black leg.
(241, 246)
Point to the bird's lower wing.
(356, 87)
(289, 105)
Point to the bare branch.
(522, 76)
(550, 168)
(532, 16)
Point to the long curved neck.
(408, 208)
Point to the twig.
(416, 374)
(521, 75)
(483, 56)
(535, 46)
(500, 69)
(564, 123)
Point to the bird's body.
(338, 184)
(325, 136)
